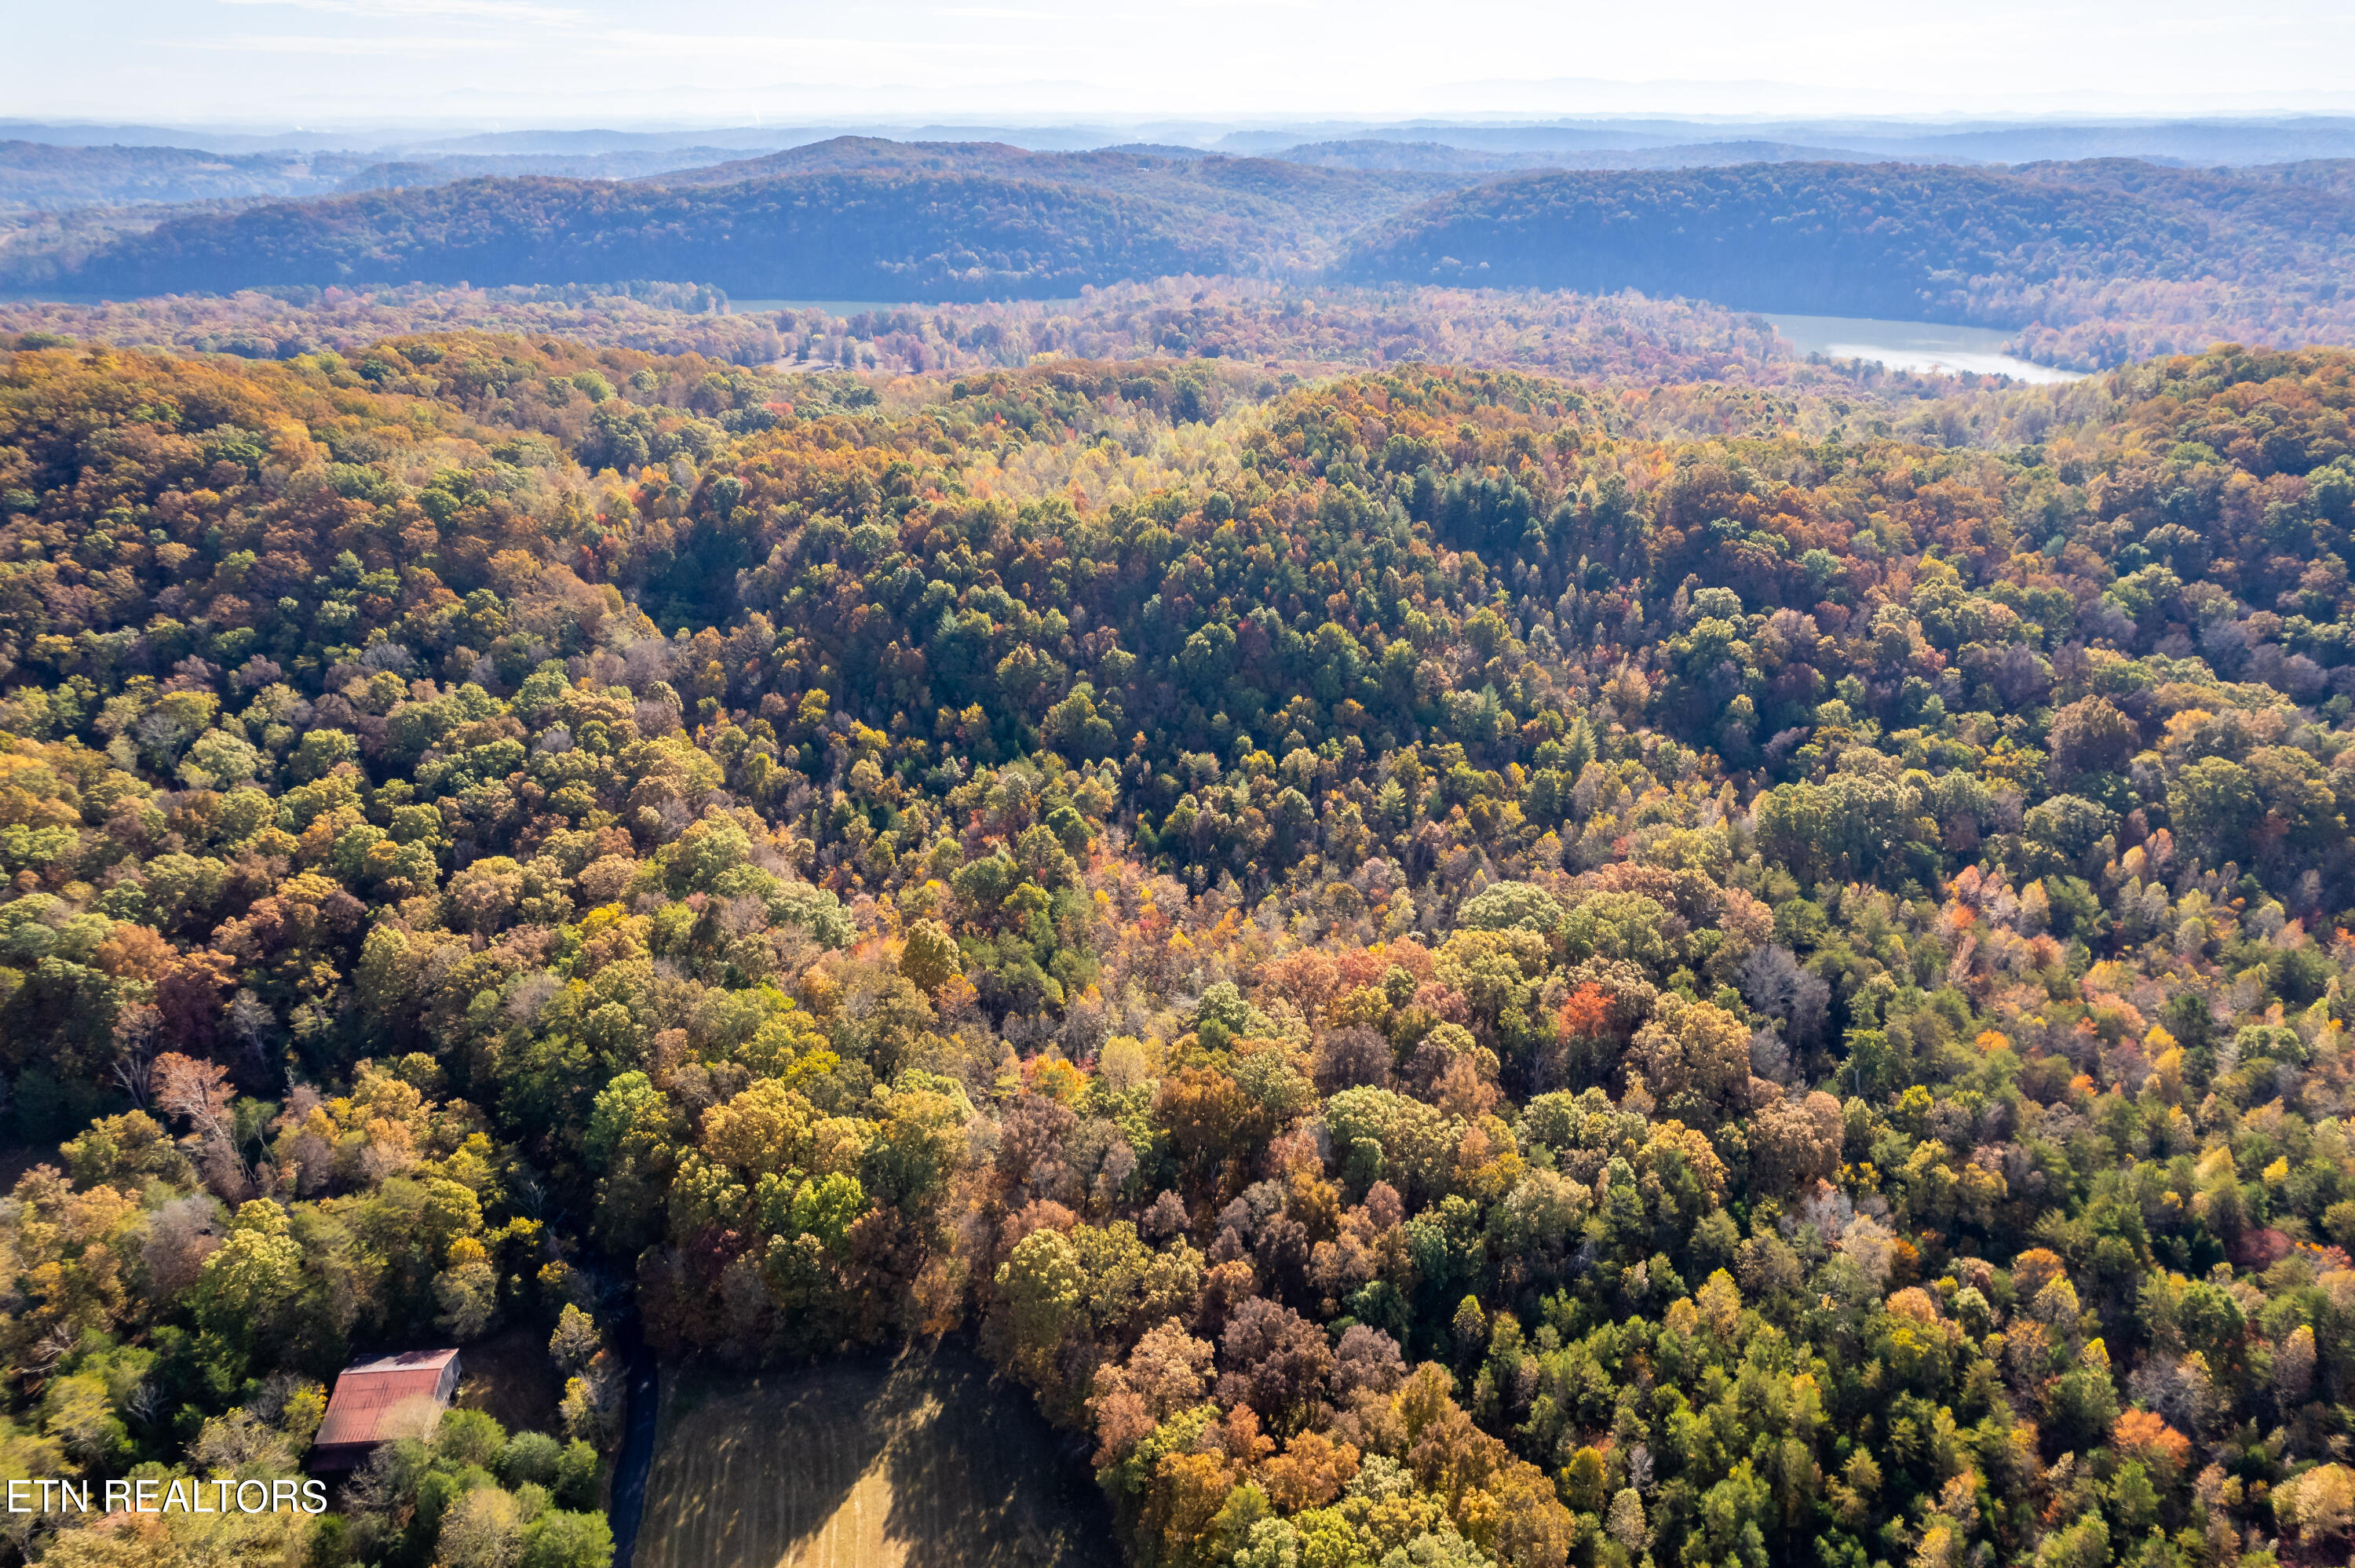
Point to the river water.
(1914, 345)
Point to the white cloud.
(519, 11)
(276, 44)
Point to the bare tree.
(184, 1232)
(134, 1049)
(198, 1093)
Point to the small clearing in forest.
(918, 1461)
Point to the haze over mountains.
(867, 218)
(40, 177)
(46, 165)
(2187, 139)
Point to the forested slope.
(40, 177)
(36, 176)
(1302, 208)
(1442, 976)
(2088, 251)
(857, 235)
(853, 218)
(2094, 262)
(1143, 171)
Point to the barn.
(375, 1401)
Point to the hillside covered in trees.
(851, 218)
(2079, 250)
(861, 236)
(1445, 967)
(40, 177)
(2094, 262)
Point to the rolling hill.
(2096, 261)
(1305, 210)
(1894, 240)
(881, 236)
(38, 177)
(854, 218)
(1229, 896)
(41, 178)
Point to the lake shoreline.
(1931, 347)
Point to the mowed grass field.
(918, 1461)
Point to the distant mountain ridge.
(1326, 203)
(2056, 249)
(844, 236)
(849, 219)
(39, 177)
(1374, 153)
(43, 177)
(1904, 241)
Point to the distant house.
(377, 1401)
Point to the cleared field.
(914, 1462)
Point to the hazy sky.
(727, 61)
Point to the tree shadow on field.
(981, 1478)
(785, 1468)
(752, 1466)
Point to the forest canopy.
(1443, 966)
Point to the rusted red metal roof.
(367, 1391)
